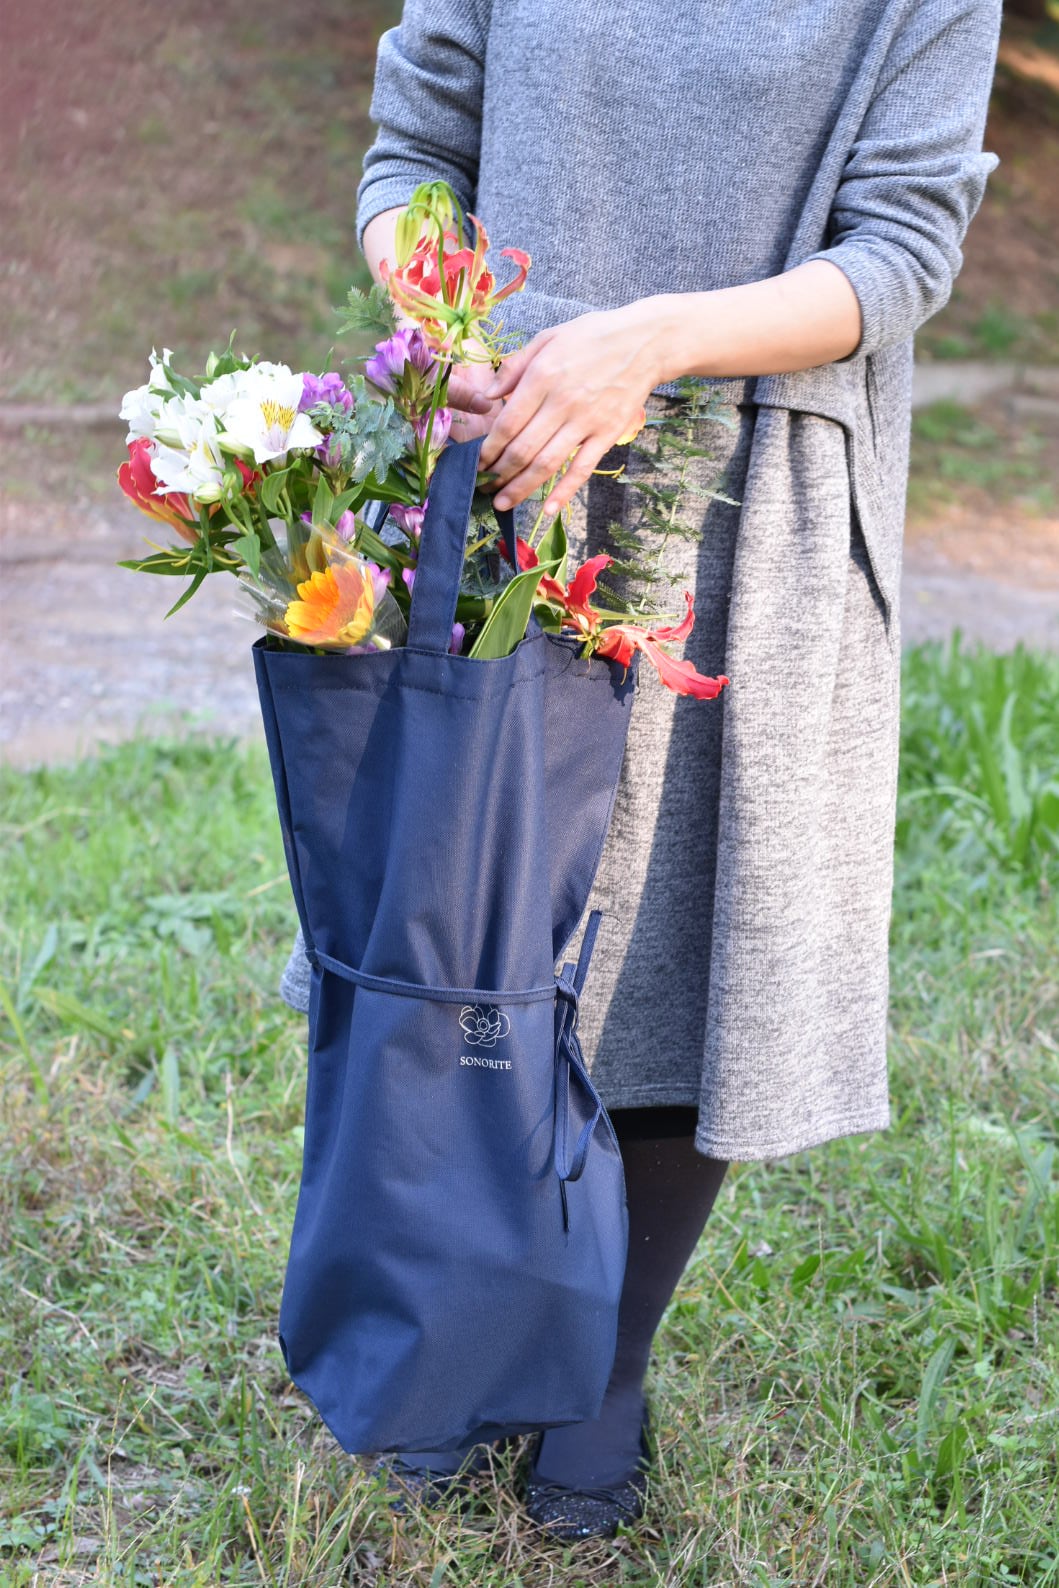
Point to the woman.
(772, 197)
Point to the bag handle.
(443, 545)
(570, 1162)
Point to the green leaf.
(189, 592)
(371, 312)
(177, 561)
(170, 1086)
(552, 547)
(506, 624)
(950, 1451)
(249, 548)
(804, 1272)
(323, 502)
(43, 958)
(272, 488)
(74, 1013)
(933, 1378)
(36, 1074)
(369, 545)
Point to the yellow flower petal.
(630, 435)
(336, 607)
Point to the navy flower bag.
(460, 1235)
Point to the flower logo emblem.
(483, 1027)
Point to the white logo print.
(483, 1027)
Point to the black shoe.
(412, 1479)
(587, 1513)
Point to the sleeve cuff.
(856, 265)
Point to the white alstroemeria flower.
(179, 421)
(142, 406)
(220, 393)
(189, 459)
(261, 416)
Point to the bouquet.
(273, 476)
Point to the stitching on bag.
(446, 995)
(369, 685)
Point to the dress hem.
(736, 1151)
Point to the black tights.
(671, 1189)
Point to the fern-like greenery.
(666, 453)
(368, 313)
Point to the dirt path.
(86, 659)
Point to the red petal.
(681, 630)
(681, 677)
(527, 557)
(583, 583)
(518, 281)
(617, 643)
(552, 590)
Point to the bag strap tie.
(570, 1064)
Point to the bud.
(406, 236)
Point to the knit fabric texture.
(636, 149)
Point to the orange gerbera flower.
(337, 607)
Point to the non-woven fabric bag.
(460, 1235)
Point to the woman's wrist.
(797, 320)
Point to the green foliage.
(855, 1385)
(506, 624)
(369, 314)
(980, 769)
(662, 465)
(369, 439)
(957, 450)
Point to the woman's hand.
(473, 414)
(578, 387)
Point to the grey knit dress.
(747, 878)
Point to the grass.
(984, 455)
(995, 331)
(858, 1383)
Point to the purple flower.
(329, 452)
(410, 519)
(456, 644)
(439, 431)
(325, 389)
(409, 577)
(345, 529)
(380, 578)
(388, 366)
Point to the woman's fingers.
(508, 447)
(527, 449)
(467, 395)
(467, 427)
(548, 460)
(515, 365)
(588, 458)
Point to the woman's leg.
(671, 1189)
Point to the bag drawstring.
(569, 1063)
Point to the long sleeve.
(916, 173)
(427, 105)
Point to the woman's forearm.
(378, 243)
(807, 316)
